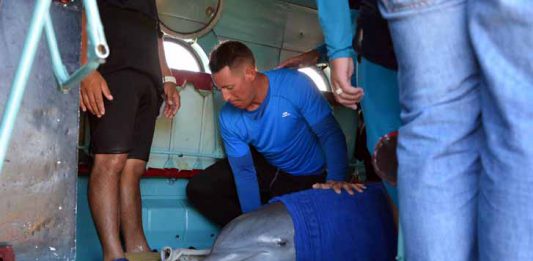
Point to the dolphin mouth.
(251, 255)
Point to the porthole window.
(183, 55)
(317, 76)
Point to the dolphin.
(312, 225)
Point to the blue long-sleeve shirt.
(336, 20)
(293, 128)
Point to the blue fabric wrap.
(333, 144)
(246, 182)
(329, 226)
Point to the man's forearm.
(334, 145)
(246, 182)
(165, 70)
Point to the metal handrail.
(97, 51)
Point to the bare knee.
(134, 169)
(109, 164)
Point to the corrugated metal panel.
(267, 25)
(267, 57)
(302, 30)
(38, 183)
(193, 131)
(258, 21)
(161, 141)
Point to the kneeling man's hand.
(339, 185)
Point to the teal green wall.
(274, 30)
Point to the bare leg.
(104, 201)
(131, 210)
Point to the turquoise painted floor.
(168, 219)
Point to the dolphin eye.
(281, 242)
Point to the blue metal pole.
(59, 69)
(97, 49)
(21, 76)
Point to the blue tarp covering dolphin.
(329, 226)
(313, 225)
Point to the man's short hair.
(231, 54)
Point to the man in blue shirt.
(285, 118)
(376, 71)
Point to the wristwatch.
(171, 79)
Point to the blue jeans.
(465, 149)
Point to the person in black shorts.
(123, 99)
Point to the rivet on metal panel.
(210, 11)
(64, 3)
